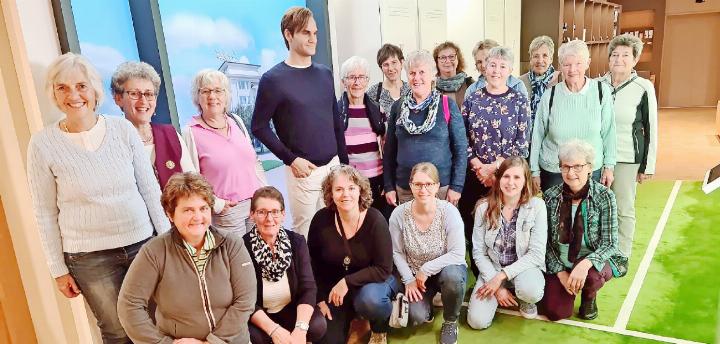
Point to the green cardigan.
(601, 229)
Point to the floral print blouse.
(498, 126)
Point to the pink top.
(362, 143)
(227, 163)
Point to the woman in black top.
(285, 310)
(351, 254)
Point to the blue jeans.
(99, 275)
(372, 301)
(450, 282)
(550, 179)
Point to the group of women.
(448, 153)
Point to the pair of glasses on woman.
(574, 168)
(265, 213)
(420, 186)
(135, 94)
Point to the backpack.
(552, 95)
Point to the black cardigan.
(300, 275)
(377, 120)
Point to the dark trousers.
(372, 301)
(286, 318)
(377, 185)
(99, 275)
(550, 179)
(472, 192)
(558, 303)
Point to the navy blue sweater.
(301, 104)
(445, 145)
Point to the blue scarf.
(539, 84)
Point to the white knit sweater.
(90, 201)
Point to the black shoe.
(588, 309)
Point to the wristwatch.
(302, 325)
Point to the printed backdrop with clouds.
(196, 33)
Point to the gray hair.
(575, 47)
(133, 70)
(483, 45)
(207, 76)
(627, 40)
(354, 63)
(420, 57)
(502, 53)
(576, 148)
(66, 62)
(539, 41)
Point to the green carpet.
(680, 295)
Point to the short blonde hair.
(539, 41)
(502, 53)
(575, 47)
(184, 185)
(207, 76)
(354, 63)
(66, 62)
(626, 40)
(576, 148)
(354, 175)
(420, 57)
(427, 168)
(485, 44)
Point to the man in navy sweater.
(298, 96)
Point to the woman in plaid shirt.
(582, 251)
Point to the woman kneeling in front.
(202, 279)
(285, 310)
(429, 252)
(582, 251)
(509, 241)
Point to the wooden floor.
(688, 144)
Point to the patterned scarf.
(572, 233)
(539, 84)
(273, 266)
(409, 103)
(451, 84)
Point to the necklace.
(208, 124)
(64, 127)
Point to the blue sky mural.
(196, 32)
(106, 40)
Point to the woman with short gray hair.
(221, 149)
(95, 197)
(497, 122)
(424, 126)
(582, 249)
(364, 128)
(578, 107)
(542, 74)
(635, 107)
(135, 86)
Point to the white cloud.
(268, 58)
(187, 31)
(104, 58)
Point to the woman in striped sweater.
(364, 128)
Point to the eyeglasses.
(420, 186)
(450, 58)
(353, 78)
(207, 91)
(135, 94)
(264, 213)
(574, 168)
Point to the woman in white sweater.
(95, 196)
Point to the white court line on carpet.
(627, 307)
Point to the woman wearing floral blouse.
(497, 120)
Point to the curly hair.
(450, 45)
(184, 185)
(358, 179)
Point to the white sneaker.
(437, 300)
(527, 310)
(378, 338)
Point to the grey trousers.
(529, 287)
(625, 189)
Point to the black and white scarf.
(273, 266)
(409, 104)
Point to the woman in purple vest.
(135, 87)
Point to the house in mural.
(244, 80)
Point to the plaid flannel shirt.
(601, 228)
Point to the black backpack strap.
(379, 91)
(600, 91)
(552, 97)
(238, 124)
